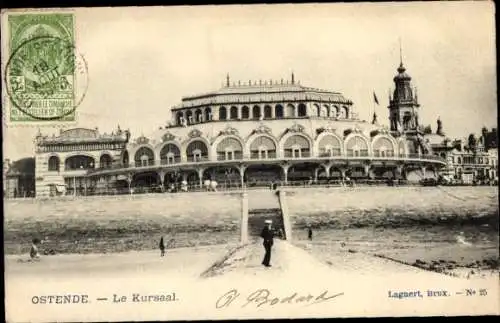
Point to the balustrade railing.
(231, 186)
(194, 159)
(171, 160)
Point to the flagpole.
(373, 103)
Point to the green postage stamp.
(45, 77)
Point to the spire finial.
(293, 78)
(400, 52)
(401, 68)
(227, 80)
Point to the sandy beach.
(205, 275)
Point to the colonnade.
(317, 170)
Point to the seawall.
(135, 222)
(123, 222)
(342, 207)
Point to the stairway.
(256, 218)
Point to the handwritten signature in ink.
(263, 296)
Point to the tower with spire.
(403, 105)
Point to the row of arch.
(257, 112)
(79, 162)
(257, 174)
(264, 146)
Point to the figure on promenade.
(206, 183)
(34, 255)
(162, 247)
(213, 186)
(184, 186)
(309, 233)
(267, 235)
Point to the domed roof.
(402, 75)
(261, 92)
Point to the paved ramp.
(293, 264)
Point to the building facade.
(469, 160)
(62, 162)
(244, 135)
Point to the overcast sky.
(141, 61)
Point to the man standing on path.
(267, 235)
(309, 232)
(162, 247)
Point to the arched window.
(335, 112)
(268, 114)
(341, 114)
(406, 120)
(459, 160)
(331, 112)
(317, 110)
(256, 112)
(189, 116)
(262, 147)
(357, 147)
(199, 115)
(222, 113)
(383, 147)
(302, 110)
(234, 113)
(296, 146)
(278, 111)
(329, 146)
(346, 112)
(290, 111)
(324, 111)
(179, 118)
(229, 149)
(245, 112)
(170, 154)
(197, 151)
(79, 162)
(54, 163)
(144, 157)
(208, 114)
(105, 161)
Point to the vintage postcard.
(250, 161)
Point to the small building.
(19, 178)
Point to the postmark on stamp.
(46, 79)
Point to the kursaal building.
(245, 135)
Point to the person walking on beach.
(162, 247)
(267, 235)
(34, 249)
